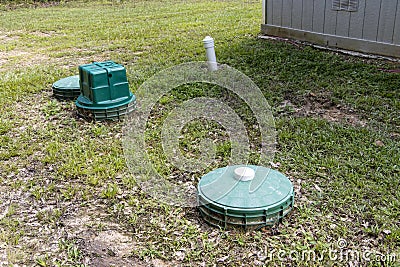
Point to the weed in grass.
(110, 191)
(73, 253)
(51, 108)
(42, 262)
(49, 216)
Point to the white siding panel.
(396, 31)
(372, 13)
(343, 23)
(357, 21)
(386, 21)
(319, 15)
(307, 15)
(330, 20)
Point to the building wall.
(376, 21)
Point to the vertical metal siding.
(277, 12)
(307, 15)
(386, 22)
(357, 21)
(319, 16)
(287, 13)
(372, 14)
(330, 19)
(396, 30)
(374, 20)
(297, 14)
(342, 23)
(269, 7)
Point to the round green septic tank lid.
(245, 195)
(71, 82)
(67, 88)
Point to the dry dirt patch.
(322, 107)
(6, 37)
(19, 58)
(109, 246)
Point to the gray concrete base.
(334, 41)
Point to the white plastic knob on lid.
(244, 173)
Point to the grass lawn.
(68, 199)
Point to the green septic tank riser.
(107, 113)
(227, 200)
(104, 91)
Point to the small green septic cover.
(247, 196)
(67, 88)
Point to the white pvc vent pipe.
(210, 53)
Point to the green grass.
(64, 181)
